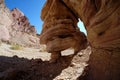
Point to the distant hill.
(15, 27)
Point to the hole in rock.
(82, 27)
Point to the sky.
(32, 10)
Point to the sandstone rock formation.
(22, 23)
(5, 21)
(101, 20)
(60, 29)
(16, 28)
(22, 31)
(4, 33)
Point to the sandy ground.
(28, 53)
(48, 71)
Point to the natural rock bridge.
(102, 22)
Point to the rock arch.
(101, 19)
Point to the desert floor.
(31, 64)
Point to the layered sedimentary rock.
(22, 31)
(101, 20)
(5, 21)
(60, 29)
(16, 28)
(21, 22)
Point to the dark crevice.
(64, 36)
(101, 33)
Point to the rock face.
(4, 33)
(101, 20)
(16, 28)
(21, 31)
(60, 29)
(21, 22)
(5, 21)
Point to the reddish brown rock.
(60, 29)
(1, 1)
(101, 20)
(21, 22)
(22, 32)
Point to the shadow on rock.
(15, 68)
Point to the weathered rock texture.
(21, 31)
(5, 21)
(102, 22)
(21, 22)
(16, 28)
(60, 29)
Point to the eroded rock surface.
(15, 28)
(22, 31)
(101, 20)
(60, 29)
(5, 21)
(21, 23)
